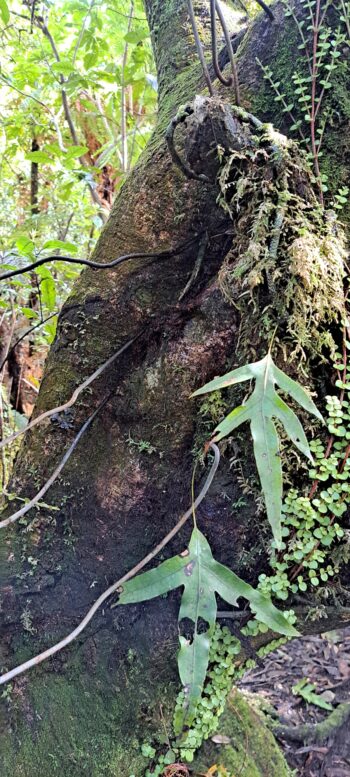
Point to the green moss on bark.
(277, 46)
(251, 752)
(78, 723)
(68, 730)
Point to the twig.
(346, 17)
(315, 150)
(108, 124)
(74, 397)
(266, 9)
(214, 49)
(81, 32)
(299, 25)
(318, 732)
(126, 16)
(42, 26)
(197, 266)
(31, 385)
(230, 615)
(67, 112)
(113, 588)
(65, 229)
(98, 265)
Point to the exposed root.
(320, 732)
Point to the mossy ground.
(65, 728)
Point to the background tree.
(90, 709)
(78, 107)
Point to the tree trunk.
(88, 710)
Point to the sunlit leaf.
(52, 245)
(39, 157)
(25, 245)
(47, 287)
(76, 151)
(136, 36)
(4, 12)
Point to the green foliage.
(307, 692)
(142, 446)
(323, 47)
(202, 577)
(88, 40)
(340, 198)
(263, 405)
(4, 12)
(82, 48)
(88, 62)
(314, 542)
(222, 671)
(100, 56)
(147, 750)
(104, 63)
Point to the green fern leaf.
(201, 577)
(261, 407)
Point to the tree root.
(183, 114)
(318, 732)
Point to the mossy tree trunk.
(88, 710)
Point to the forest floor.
(325, 662)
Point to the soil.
(325, 661)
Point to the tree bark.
(88, 710)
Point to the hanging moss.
(285, 270)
